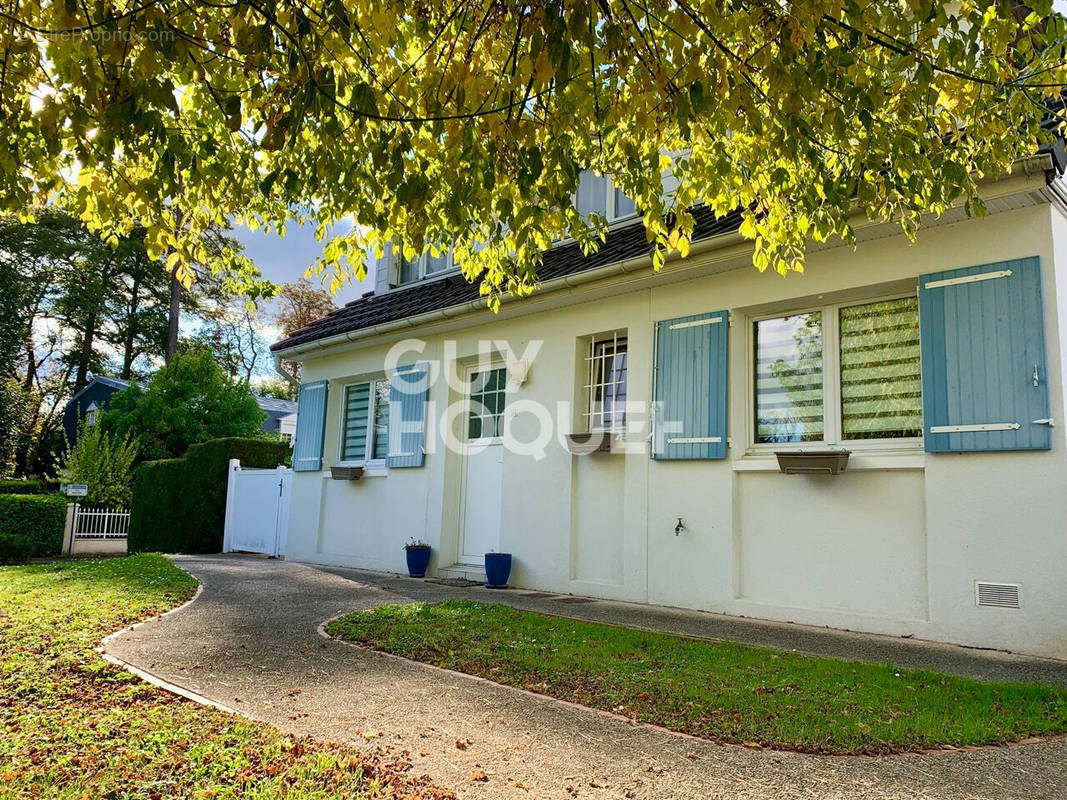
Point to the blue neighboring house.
(96, 397)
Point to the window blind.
(357, 411)
(881, 387)
(789, 379)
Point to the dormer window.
(597, 194)
(426, 265)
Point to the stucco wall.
(893, 546)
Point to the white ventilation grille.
(997, 595)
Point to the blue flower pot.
(497, 570)
(418, 561)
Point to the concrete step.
(468, 572)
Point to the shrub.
(15, 549)
(30, 486)
(179, 504)
(31, 525)
(104, 463)
(189, 401)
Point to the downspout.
(279, 367)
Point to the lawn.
(717, 690)
(74, 726)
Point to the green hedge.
(31, 525)
(31, 486)
(179, 504)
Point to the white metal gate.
(257, 509)
(96, 522)
(94, 530)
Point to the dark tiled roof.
(621, 244)
(276, 404)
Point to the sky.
(284, 259)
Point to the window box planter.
(582, 444)
(497, 570)
(815, 462)
(418, 556)
(346, 473)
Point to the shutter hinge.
(1047, 421)
(980, 428)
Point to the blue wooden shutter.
(408, 389)
(984, 375)
(690, 387)
(310, 426)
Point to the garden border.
(927, 751)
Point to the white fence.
(94, 530)
(257, 510)
(100, 523)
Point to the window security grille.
(607, 384)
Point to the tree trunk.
(175, 312)
(81, 377)
(31, 365)
(131, 332)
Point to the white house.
(938, 365)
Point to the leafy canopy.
(428, 123)
(190, 400)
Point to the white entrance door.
(257, 510)
(483, 467)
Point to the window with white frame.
(365, 422)
(607, 383)
(597, 194)
(840, 373)
(425, 266)
(488, 389)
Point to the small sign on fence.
(76, 490)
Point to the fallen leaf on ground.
(463, 744)
(479, 776)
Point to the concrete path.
(250, 642)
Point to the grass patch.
(74, 726)
(717, 690)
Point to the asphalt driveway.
(251, 642)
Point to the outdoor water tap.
(679, 527)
